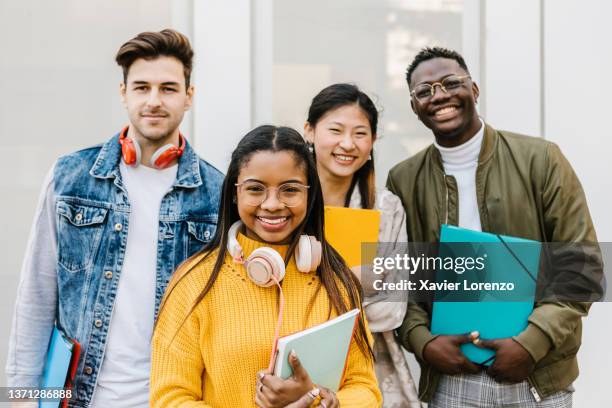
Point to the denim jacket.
(76, 252)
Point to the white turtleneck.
(461, 162)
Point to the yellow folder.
(347, 228)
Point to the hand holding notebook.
(322, 350)
(495, 314)
(294, 392)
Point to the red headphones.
(162, 158)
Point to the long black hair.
(343, 288)
(336, 96)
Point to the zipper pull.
(535, 394)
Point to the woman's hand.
(274, 392)
(328, 399)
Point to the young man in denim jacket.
(113, 223)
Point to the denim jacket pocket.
(79, 229)
(199, 234)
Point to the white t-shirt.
(123, 380)
(461, 162)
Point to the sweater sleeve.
(385, 310)
(359, 388)
(177, 368)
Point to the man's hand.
(512, 362)
(444, 354)
(274, 392)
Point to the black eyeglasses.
(450, 85)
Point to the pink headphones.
(162, 158)
(266, 267)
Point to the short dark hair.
(428, 53)
(150, 45)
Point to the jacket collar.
(107, 164)
(489, 143)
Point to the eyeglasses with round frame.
(255, 193)
(450, 85)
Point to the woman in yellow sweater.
(216, 326)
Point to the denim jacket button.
(118, 227)
(98, 323)
(88, 370)
(108, 274)
(78, 217)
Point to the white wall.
(222, 76)
(578, 59)
(511, 44)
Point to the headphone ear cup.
(303, 254)
(265, 266)
(308, 254)
(233, 247)
(317, 251)
(164, 156)
(130, 150)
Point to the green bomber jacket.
(525, 187)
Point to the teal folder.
(322, 350)
(494, 314)
(60, 367)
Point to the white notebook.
(322, 350)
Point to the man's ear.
(122, 90)
(189, 100)
(308, 132)
(412, 106)
(475, 91)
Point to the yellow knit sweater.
(212, 359)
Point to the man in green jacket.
(480, 178)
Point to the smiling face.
(452, 116)
(342, 141)
(156, 99)
(272, 221)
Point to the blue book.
(60, 367)
(322, 350)
(493, 313)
